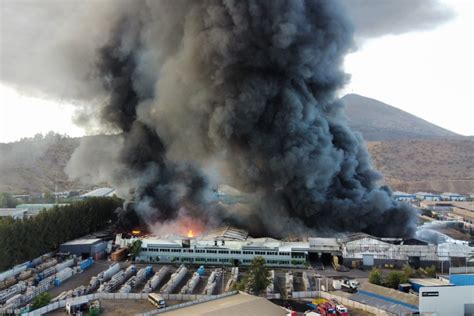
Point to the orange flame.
(190, 233)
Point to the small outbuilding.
(84, 247)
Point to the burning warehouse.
(231, 246)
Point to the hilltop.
(379, 121)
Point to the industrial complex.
(231, 246)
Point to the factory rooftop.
(100, 192)
(82, 241)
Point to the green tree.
(431, 271)
(48, 197)
(258, 276)
(394, 278)
(135, 248)
(41, 300)
(46, 231)
(408, 271)
(7, 200)
(375, 277)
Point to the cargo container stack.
(12, 291)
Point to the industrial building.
(448, 196)
(234, 247)
(446, 300)
(35, 209)
(424, 196)
(15, 213)
(226, 247)
(100, 192)
(94, 247)
(402, 196)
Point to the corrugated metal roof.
(100, 192)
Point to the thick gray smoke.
(247, 89)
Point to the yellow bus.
(157, 300)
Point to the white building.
(448, 196)
(100, 192)
(402, 196)
(446, 300)
(15, 213)
(424, 196)
(228, 247)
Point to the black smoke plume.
(242, 93)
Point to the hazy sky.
(427, 71)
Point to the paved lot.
(81, 278)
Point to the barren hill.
(379, 121)
(435, 165)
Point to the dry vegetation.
(426, 165)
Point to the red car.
(327, 309)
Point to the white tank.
(113, 269)
(64, 265)
(191, 285)
(175, 279)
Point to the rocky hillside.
(414, 155)
(36, 165)
(435, 165)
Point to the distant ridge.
(413, 154)
(379, 121)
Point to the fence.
(198, 298)
(205, 298)
(461, 270)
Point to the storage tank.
(63, 276)
(64, 264)
(271, 286)
(212, 282)
(45, 265)
(191, 284)
(201, 271)
(25, 275)
(175, 279)
(7, 283)
(289, 284)
(307, 285)
(86, 264)
(14, 271)
(113, 269)
(151, 285)
(143, 274)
